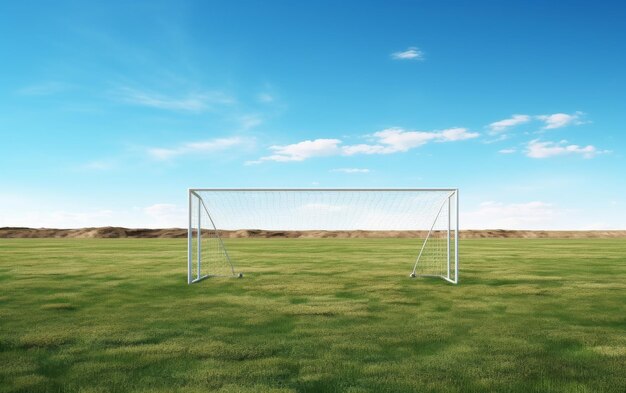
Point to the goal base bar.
(239, 275)
(413, 275)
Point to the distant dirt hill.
(86, 233)
(118, 232)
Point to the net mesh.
(417, 214)
(438, 249)
(208, 252)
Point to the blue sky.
(109, 111)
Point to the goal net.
(426, 218)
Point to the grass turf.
(312, 315)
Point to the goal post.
(427, 218)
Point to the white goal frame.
(452, 242)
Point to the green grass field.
(312, 315)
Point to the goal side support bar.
(189, 240)
(199, 276)
(448, 201)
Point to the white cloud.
(366, 149)
(197, 147)
(498, 215)
(553, 121)
(303, 150)
(455, 134)
(412, 53)
(507, 151)
(558, 120)
(192, 102)
(539, 149)
(391, 140)
(503, 125)
(351, 170)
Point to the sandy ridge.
(118, 232)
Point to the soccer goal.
(426, 218)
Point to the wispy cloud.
(98, 165)
(351, 170)
(503, 125)
(165, 214)
(265, 98)
(303, 150)
(250, 121)
(550, 122)
(322, 208)
(81, 216)
(412, 53)
(507, 151)
(558, 120)
(198, 147)
(496, 215)
(191, 102)
(546, 149)
(44, 89)
(391, 140)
